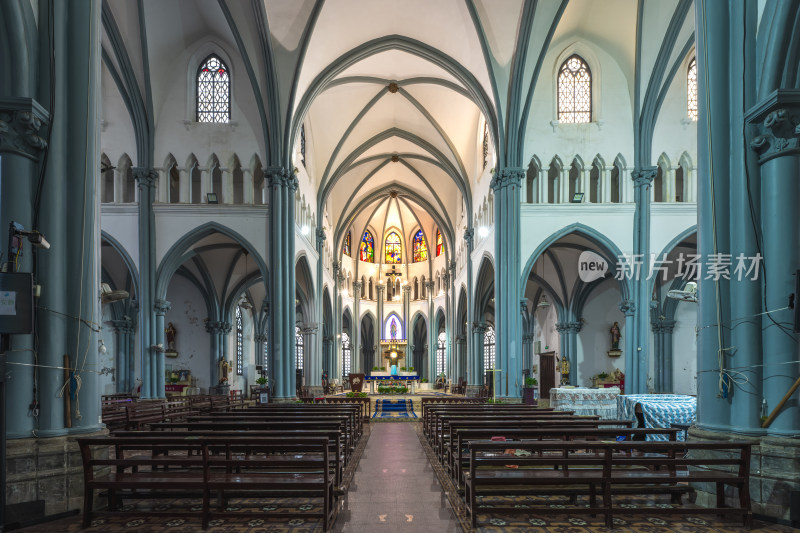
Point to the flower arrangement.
(352, 394)
(531, 382)
(173, 378)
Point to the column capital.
(282, 177)
(479, 327)
(428, 285)
(357, 286)
(407, 288)
(778, 125)
(523, 305)
(527, 337)
(161, 306)
(380, 287)
(20, 121)
(122, 326)
(562, 327)
(214, 326)
(643, 177)
(469, 234)
(627, 307)
(574, 327)
(321, 237)
(259, 337)
(506, 177)
(145, 177)
(446, 279)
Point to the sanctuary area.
(452, 265)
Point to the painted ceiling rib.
(274, 113)
(364, 229)
(436, 196)
(148, 92)
(205, 274)
(231, 267)
(289, 132)
(424, 236)
(518, 60)
(191, 278)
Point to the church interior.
(305, 265)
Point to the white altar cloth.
(601, 402)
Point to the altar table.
(659, 411)
(409, 381)
(583, 401)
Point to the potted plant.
(529, 391)
(262, 381)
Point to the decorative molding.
(282, 177)
(203, 211)
(20, 121)
(779, 134)
(644, 176)
(506, 177)
(469, 236)
(627, 307)
(214, 326)
(161, 306)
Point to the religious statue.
(615, 335)
(393, 329)
(224, 368)
(169, 332)
(564, 371)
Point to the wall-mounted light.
(577, 198)
(344, 293)
(483, 231)
(304, 230)
(211, 198)
(102, 347)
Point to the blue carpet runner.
(394, 409)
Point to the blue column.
(628, 308)
(336, 367)
(314, 373)
(476, 361)
(778, 147)
(146, 180)
(636, 375)
(160, 307)
(449, 356)
(506, 184)
(379, 329)
(355, 341)
(470, 355)
(432, 331)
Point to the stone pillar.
(662, 355)
(455, 358)
(336, 355)
(449, 358)
(282, 187)
(146, 180)
(469, 354)
(327, 363)
(636, 376)
(160, 307)
(476, 361)
(214, 329)
(628, 308)
(432, 331)
(505, 185)
(355, 341)
(317, 354)
(123, 329)
(778, 147)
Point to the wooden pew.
(599, 468)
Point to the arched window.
(346, 248)
(393, 248)
(574, 91)
(440, 349)
(239, 343)
(488, 349)
(213, 91)
(303, 144)
(485, 144)
(265, 361)
(345, 354)
(691, 93)
(367, 249)
(438, 243)
(298, 347)
(420, 247)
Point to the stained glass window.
(239, 343)
(574, 91)
(345, 354)
(303, 144)
(367, 249)
(393, 248)
(488, 349)
(691, 79)
(485, 144)
(265, 362)
(420, 247)
(346, 249)
(438, 243)
(213, 91)
(298, 348)
(440, 350)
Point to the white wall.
(684, 349)
(594, 339)
(192, 342)
(106, 383)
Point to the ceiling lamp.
(108, 296)
(543, 302)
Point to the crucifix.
(392, 275)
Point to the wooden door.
(547, 374)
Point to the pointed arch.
(213, 91)
(574, 91)
(366, 250)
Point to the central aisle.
(395, 488)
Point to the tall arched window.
(213, 91)
(488, 349)
(298, 347)
(239, 342)
(440, 349)
(265, 360)
(346, 248)
(366, 250)
(485, 144)
(691, 93)
(574, 91)
(420, 247)
(393, 248)
(345, 354)
(438, 243)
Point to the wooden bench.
(599, 468)
(258, 467)
(431, 413)
(365, 403)
(440, 400)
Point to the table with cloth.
(583, 401)
(659, 411)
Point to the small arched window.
(346, 248)
(345, 354)
(440, 350)
(298, 347)
(691, 86)
(367, 248)
(574, 91)
(488, 350)
(393, 248)
(420, 247)
(213, 91)
(239, 342)
(438, 243)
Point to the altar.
(659, 411)
(377, 379)
(583, 401)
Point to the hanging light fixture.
(543, 303)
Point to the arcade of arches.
(284, 189)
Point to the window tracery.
(213, 91)
(574, 91)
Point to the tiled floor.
(395, 488)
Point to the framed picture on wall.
(183, 375)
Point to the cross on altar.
(494, 383)
(394, 274)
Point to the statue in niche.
(224, 369)
(169, 333)
(393, 329)
(615, 336)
